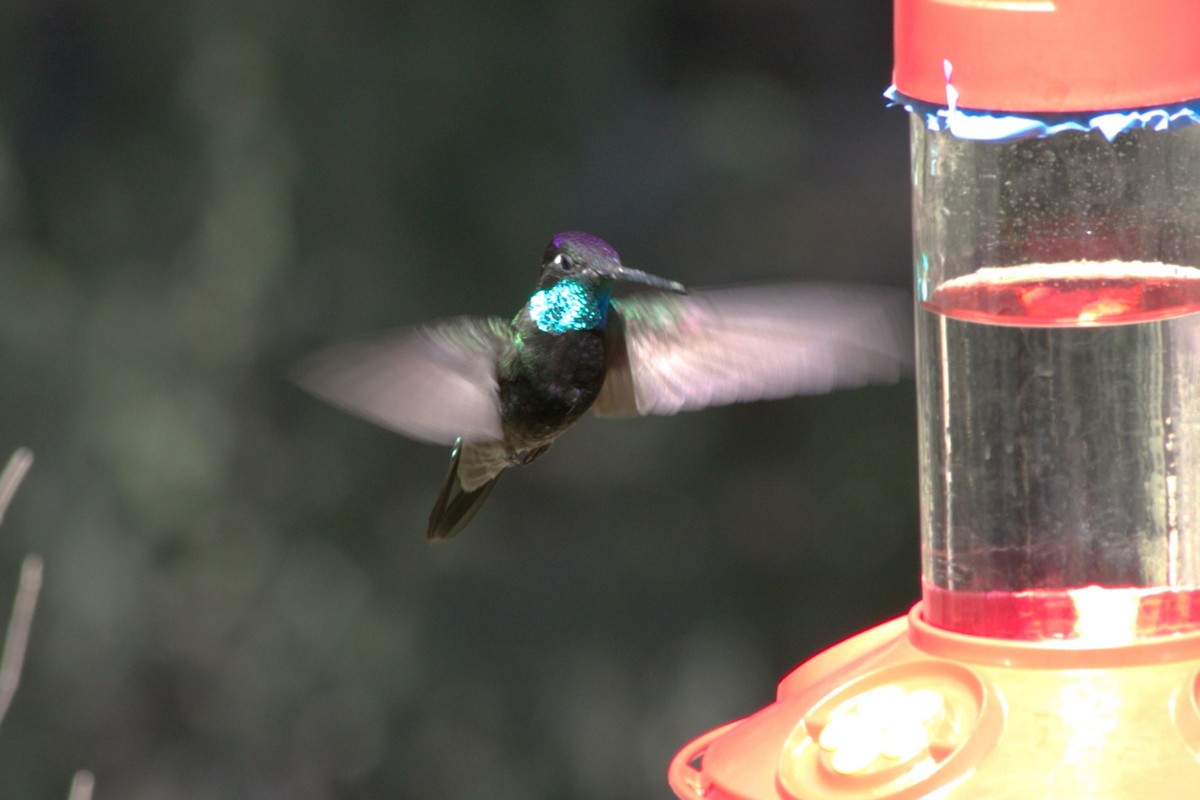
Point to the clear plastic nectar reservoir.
(1058, 282)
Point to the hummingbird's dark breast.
(550, 383)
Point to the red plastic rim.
(1049, 55)
(685, 780)
(1050, 654)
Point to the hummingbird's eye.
(564, 263)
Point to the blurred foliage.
(239, 601)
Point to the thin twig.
(12, 658)
(10, 479)
(16, 639)
(82, 785)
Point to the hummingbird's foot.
(530, 456)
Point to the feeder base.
(907, 711)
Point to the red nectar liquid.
(1061, 436)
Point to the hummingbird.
(501, 391)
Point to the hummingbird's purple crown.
(585, 243)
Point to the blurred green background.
(239, 599)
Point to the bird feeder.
(1056, 650)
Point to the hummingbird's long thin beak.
(621, 273)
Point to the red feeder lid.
(1049, 55)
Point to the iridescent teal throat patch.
(568, 306)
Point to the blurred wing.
(672, 353)
(435, 383)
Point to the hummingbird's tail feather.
(459, 500)
(455, 508)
